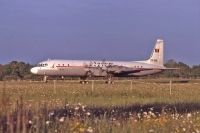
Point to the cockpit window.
(42, 65)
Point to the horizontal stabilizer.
(171, 68)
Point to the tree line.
(185, 71)
(15, 71)
(21, 71)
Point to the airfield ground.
(126, 106)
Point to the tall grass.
(65, 106)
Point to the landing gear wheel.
(109, 82)
(84, 82)
(84, 79)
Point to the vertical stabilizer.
(157, 56)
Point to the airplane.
(97, 68)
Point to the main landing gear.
(84, 80)
(45, 79)
(109, 80)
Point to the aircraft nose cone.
(34, 70)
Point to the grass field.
(126, 106)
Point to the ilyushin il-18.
(103, 68)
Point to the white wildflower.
(151, 109)
(61, 119)
(152, 114)
(144, 113)
(130, 114)
(151, 131)
(189, 115)
(139, 115)
(51, 113)
(83, 107)
(90, 130)
(148, 116)
(30, 122)
(88, 113)
(47, 122)
(76, 108)
(113, 119)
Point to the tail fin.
(157, 56)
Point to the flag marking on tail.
(157, 50)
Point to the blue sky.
(35, 30)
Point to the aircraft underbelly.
(147, 72)
(72, 71)
(82, 71)
(79, 71)
(69, 71)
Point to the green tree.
(195, 72)
(16, 70)
(183, 72)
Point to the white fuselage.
(81, 67)
(104, 68)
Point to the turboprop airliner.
(97, 68)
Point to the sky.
(36, 30)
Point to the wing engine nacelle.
(99, 72)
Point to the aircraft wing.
(170, 68)
(129, 70)
(123, 70)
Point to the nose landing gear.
(45, 79)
